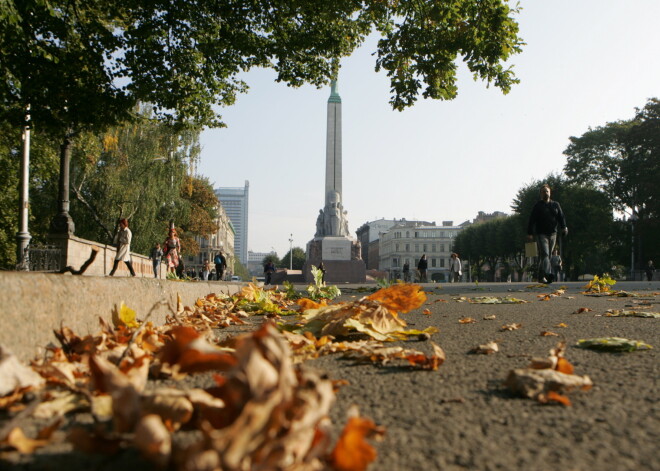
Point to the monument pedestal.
(340, 257)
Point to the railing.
(43, 258)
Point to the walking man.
(156, 256)
(422, 266)
(544, 222)
(220, 264)
(455, 270)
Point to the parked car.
(236, 278)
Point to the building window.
(407, 247)
(442, 262)
(433, 247)
(416, 234)
(416, 248)
(396, 247)
(407, 234)
(433, 262)
(424, 248)
(442, 247)
(395, 262)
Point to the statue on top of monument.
(320, 232)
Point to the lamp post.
(291, 252)
(23, 235)
(633, 219)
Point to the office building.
(235, 201)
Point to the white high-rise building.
(235, 201)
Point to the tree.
(85, 64)
(623, 159)
(299, 258)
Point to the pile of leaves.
(262, 411)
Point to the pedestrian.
(122, 240)
(455, 269)
(172, 249)
(406, 271)
(156, 256)
(556, 263)
(322, 268)
(206, 270)
(269, 269)
(650, 269)
(422, 266)
(220, 264)
(544, 222)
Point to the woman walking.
(172, 247)
(123, 242)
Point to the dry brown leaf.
(491, 317)
(16, 439)
(14, 375)
(583, 309)
(562, 325)
(486, 349)
(352, 451)
(402, 297)
(466, 320)
(531, 382)
(547, 333)
(514, 326)
(153, 439)
(192, 354)
(554, 396)
(426, 312)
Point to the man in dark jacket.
(546, 218)
(220, 265)
(422, 265)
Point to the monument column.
(333, 146)
(332, 244)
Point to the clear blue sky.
(586, 63)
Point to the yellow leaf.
(125, 316)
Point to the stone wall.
(35, 304)
(75, 251)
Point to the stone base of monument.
(341, 259)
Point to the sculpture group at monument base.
(340, 257)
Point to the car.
(236, 278)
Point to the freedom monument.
(332, 243)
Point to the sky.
(585, 63)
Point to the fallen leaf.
(514, 326)
(353, 452)
(14, 375)
(547, 333)
(153, 439)
(466, 320)
(16, 439)
(492, 317)
(496, 300)
(613, 344)
(533, 383)
(554, 396)
(124, 316)
(583, 309)
(631, 313)
(562, 325)
(486, 349)
(401, 297)
(426, 312)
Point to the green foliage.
(299, 259)
(240, 270)
(67, 58)
(623, 159)
(318, 290)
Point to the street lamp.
(291, 252)
(23, 236)
(633, 219)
